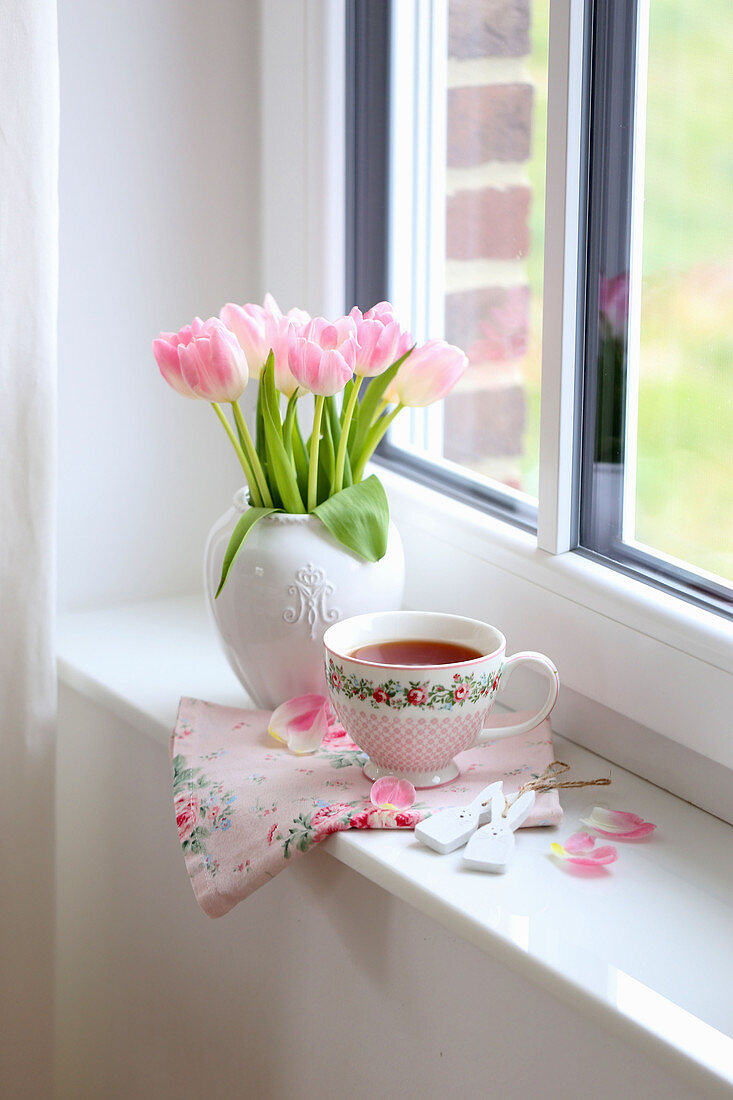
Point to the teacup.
(412, 720)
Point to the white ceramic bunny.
(491, 847)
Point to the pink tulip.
(378, 343)
(203, 360)
(251, 323)
(248, 325)
(390, 793)
(428, 374)
(322, 359)
(330, 335)
(280, 336)
(384, 312)
(302, 722)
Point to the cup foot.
(419, 780)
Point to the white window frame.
(647, 678)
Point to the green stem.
(313, 463)
(375, 434)
(346, 424)
(243, 461)
(253, 457)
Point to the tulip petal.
(271, 306)
(618, 824)
(579, 842)
(390, 793)
(580, 850)
(301, 723)
(248, 325)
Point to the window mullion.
(557, 512)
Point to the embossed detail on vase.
(273, 610)
(312, 590)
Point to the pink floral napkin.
(246, 807)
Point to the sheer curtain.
(28, 289)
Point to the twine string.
(550, 780)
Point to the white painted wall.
(160, 200)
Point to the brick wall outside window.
(489, 131)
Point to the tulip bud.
(247, 322)
(322, 371)
(280, 334)
(323, 357)
(428, 374)
(204, 360)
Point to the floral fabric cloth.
(245, 807)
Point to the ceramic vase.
(290, 581)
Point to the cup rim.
(433, 615)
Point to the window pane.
(487, 194)
(684, 445)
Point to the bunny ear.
(520, 809)
(498, 801)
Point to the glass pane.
(488, 192)
(684, 445)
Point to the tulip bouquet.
(293, 355)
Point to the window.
(647, 677)
(635, 469)
(657, 481)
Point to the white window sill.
(642, 950)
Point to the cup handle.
(508, 668)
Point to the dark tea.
(416, 651)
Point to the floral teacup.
(412, 720)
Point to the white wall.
(159, 194)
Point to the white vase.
(291, 580)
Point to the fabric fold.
(245, 807)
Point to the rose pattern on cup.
(468, 688)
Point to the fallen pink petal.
(390, 793)
(618, 824)
(301, 723)
(579, 842)
(580, 850)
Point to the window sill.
(637, 950)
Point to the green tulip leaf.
(279, 464)
(260, 427)
(239, 534)
(300, 458)
(359, 518)
(288, 424)
(368, 406)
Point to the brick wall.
(489, 123)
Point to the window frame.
(647, 679)
(616, 40)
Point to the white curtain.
(28, 290)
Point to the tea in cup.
(414, 688)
